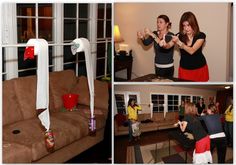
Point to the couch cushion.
(144, 116)
(123, 128)
(158, 116)
(120, 119)
(25, 88)
(149, 126)
(15, 153)
(86, 110)
(32, 135)
(100, 89)
(100, 117)
(75, 119)
(11, 111)
(172, 116)
(60, 83)
(80, 118)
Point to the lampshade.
(117, 36)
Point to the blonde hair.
(212, 107)
(190, 109)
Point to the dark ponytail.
(166, 19)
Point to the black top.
(162, 55)
(196, 60)
(194, 126)
(200, 108)
(213, 123)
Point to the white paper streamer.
(165, 110)
(42, 97)
(151, 109)
(83, 45)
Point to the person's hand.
(176, 124)
(140, 35)
(179, 122)
(162, 43)
(175, 39)
(147, 31)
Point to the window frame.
(165, 105)
(126, 97)
(158, 111)
(11, 45)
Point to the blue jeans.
(229, 132)
(130, 130)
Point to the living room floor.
(121, 143)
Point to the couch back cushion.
(60, 83)
(144, 116)
(100, 89)
(10, 106)
(172, 116)
(158, 116)
(25, 88)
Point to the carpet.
(154, 153)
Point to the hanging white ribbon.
(83, 45)
(42, 97)
(165, 110)
(151, 109)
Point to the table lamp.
(117, 37)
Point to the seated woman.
(191, 123)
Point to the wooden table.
(151, 77)
(186, 143)
(121, 63)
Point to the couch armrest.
(115, 127)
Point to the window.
(158, 102)
(170, 102)
(120, 103)
(75, 15)
(122, 99)
(173, 103)
(23, 21)
(33, 21)
(186, 98)
(78, 15)
(104, 40)
(196, 99)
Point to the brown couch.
(159, 123)
(70, 129)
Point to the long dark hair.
(191, 19)
(166, 19)
(130, 100)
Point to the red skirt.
(202, 153)
(201, 74)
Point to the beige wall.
(145, 91)
(213, 19)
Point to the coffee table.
(185, 143)
(155, 78)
